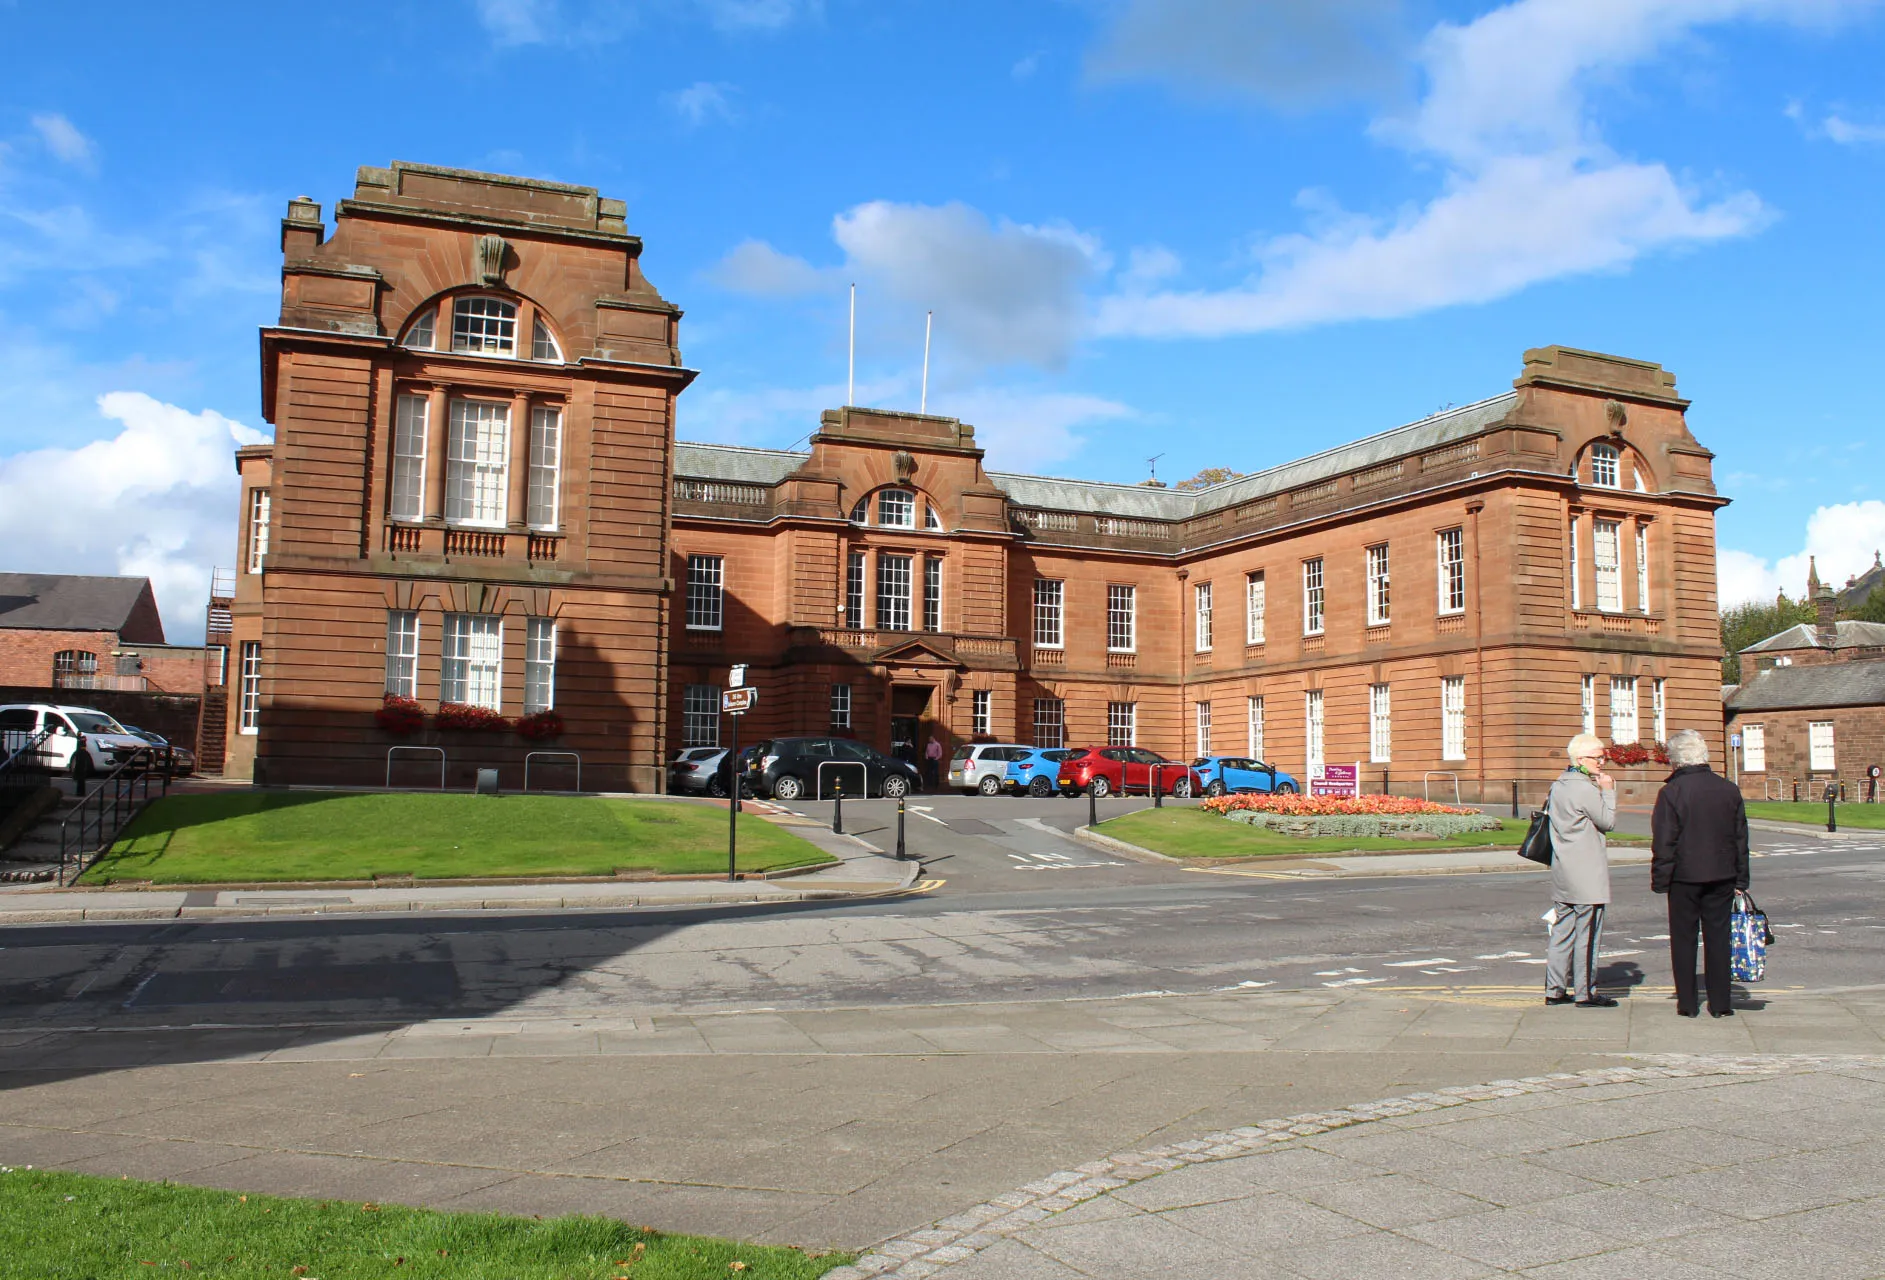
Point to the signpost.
(1337, 780)
(735, 701)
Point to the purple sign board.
(1337, 780)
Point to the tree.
(1208, 477)
(1873, 609)
(1747, 624)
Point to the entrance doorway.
(909, 705)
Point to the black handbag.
(1537, 842)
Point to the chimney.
(1825, 610)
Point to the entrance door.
(908, 705)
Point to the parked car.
(697, 770)
(791, 768)
(1105, 770)
(1036, 772)
(983, 766)
(182, 759)
(106, 744)
(1241, 773)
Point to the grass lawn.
(70, 1226)
(1870, 817)
(1193, 833)
(287, 835)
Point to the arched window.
(543, 343)
(422, 335)
(896, 509)
(1605, 466)
(860, 514)
(74, 669)
(930, 519)
(484, 326)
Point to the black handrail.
(107, 807)
(29, 746)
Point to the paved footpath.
(1689, 1168)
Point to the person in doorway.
(1582, 807)
(1699, 857)
(932, 761)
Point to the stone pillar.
(436, 435)
(515, 507)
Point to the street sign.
(737, 702)
(1734, 740)
(1337, 780)
(737, 676)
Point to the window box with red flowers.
(401, 717)
(469, 719)
(540, 726)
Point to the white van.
(983, 766)
(107, 744)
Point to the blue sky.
(1224, 233)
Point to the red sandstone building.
(474, 497)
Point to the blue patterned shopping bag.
(1747, 928)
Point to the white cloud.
(1003, 292)
(1531, 193)
(1022, 430)
(1840, 539)
(158, 499)
(1025, 68)
(64, 140)
(1288, 52)
(513, 22)
(756, 15)
(701, 102)
(1844, 131)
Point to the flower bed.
(1360, 816)
(460, 715)
(399, 716)
(540, 726)
(1636, 753)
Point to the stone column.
(516, 507)
(436, 435)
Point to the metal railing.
(818, 778)
(551, 755)
(389, 762)
(23, 766)
(102, 812)
(1426, 783)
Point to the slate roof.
(1854, 593)
(744, 465)
(67, 602)
(1848, 635)
(1829, 684)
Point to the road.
(1021, 912)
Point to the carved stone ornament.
(1616, 415)
(904, 462)
(492, 251)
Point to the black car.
(794, 768)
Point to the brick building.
(1455, 597)
(65, 631)
(1811, 711)
(474, 498)
(472, 387)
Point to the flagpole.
(850, 383)
(929, 320)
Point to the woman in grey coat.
(1582, 807)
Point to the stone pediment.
(918, 653)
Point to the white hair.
(1687, 747)
(1583, 744)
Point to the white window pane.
(1312, 597)
(249, 700)
(1754, 748)
(854, 591)
(1202, 712)
(893, 592)
(1453, 718)
(546, 466)
(258, 528)
(1819, 743)
(471, 660)
(700, 715)
(896, 508)
(486, 326)
(1049, 722)
(1202, 598)
(539, 665)
(1312, 724)
(1377, 586)
(542, 344)
(411, 420)
(477, 464)
(706, 593)
(1452, 556)
(1048, 598)
(840, 706)
(1122, 606)
(402, 653)
(1623, 710)
(982, 718)
(420, 337)
(1380, 724)
(1122, 724)
(1253, 609)
(1587, 697)
(1606, 561)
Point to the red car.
(1110, 769)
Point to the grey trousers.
(1571, 956)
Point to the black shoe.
(1597, 1002)
(1721, 1013)
(1564, 998)
(1688, 1013)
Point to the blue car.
(1035, 772)
(1241, 773)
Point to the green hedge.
(1366, 825)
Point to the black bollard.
(837, 809)
(1158, 791)
(901, 855)
(1832, 818)
(1092, 807)
(1515, 797)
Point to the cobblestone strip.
(923, 1253)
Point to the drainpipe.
(1185, 650)
(1473, 509)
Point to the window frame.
(1577, 582)
(501, 323)
(1314, 597)
(1255, 605)
(1315, 746)
(1379, 600)
(982, 712)
(1450, 559)
(1659, 708)
(1050, 714)
(895, 587)
(1380, 724)
(1611, 459)
(1122, 724)
(1642, 566)
(249, 689)
(883, 501)
(260, 505)
(855, 592)
(405, 489)
(1453, 718)
(1587, 703)
(1815, 740)
(839, 705)
(698, 703)
(1610, 575)
(541, 335)
(475, 484)
(403, 631)
(1122, 617)
(540, 643)
(1201, 605)
(543, 501)
(471, 651)
(1626, 719)
(1201, 717)
(1754, 747)
(706, 593)
(1050, 613)
(1253, 725)
(932, 593)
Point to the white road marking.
(1532, 962)
(1612, 955)
(1353, 982)
(1244, 986)
(1336, 973)
(1452, 968)
(1505, 955)
(1415, 964)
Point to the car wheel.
(1285, 788)
(1214, 788)
(715, 787)
(1182, 789)
(1040, 787)
(1102, 787)
(896, 786)
(788, 788)
(989, 786)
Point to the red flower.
(458, 715)
(401, 716)
(1318, 806)
(540, 726)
